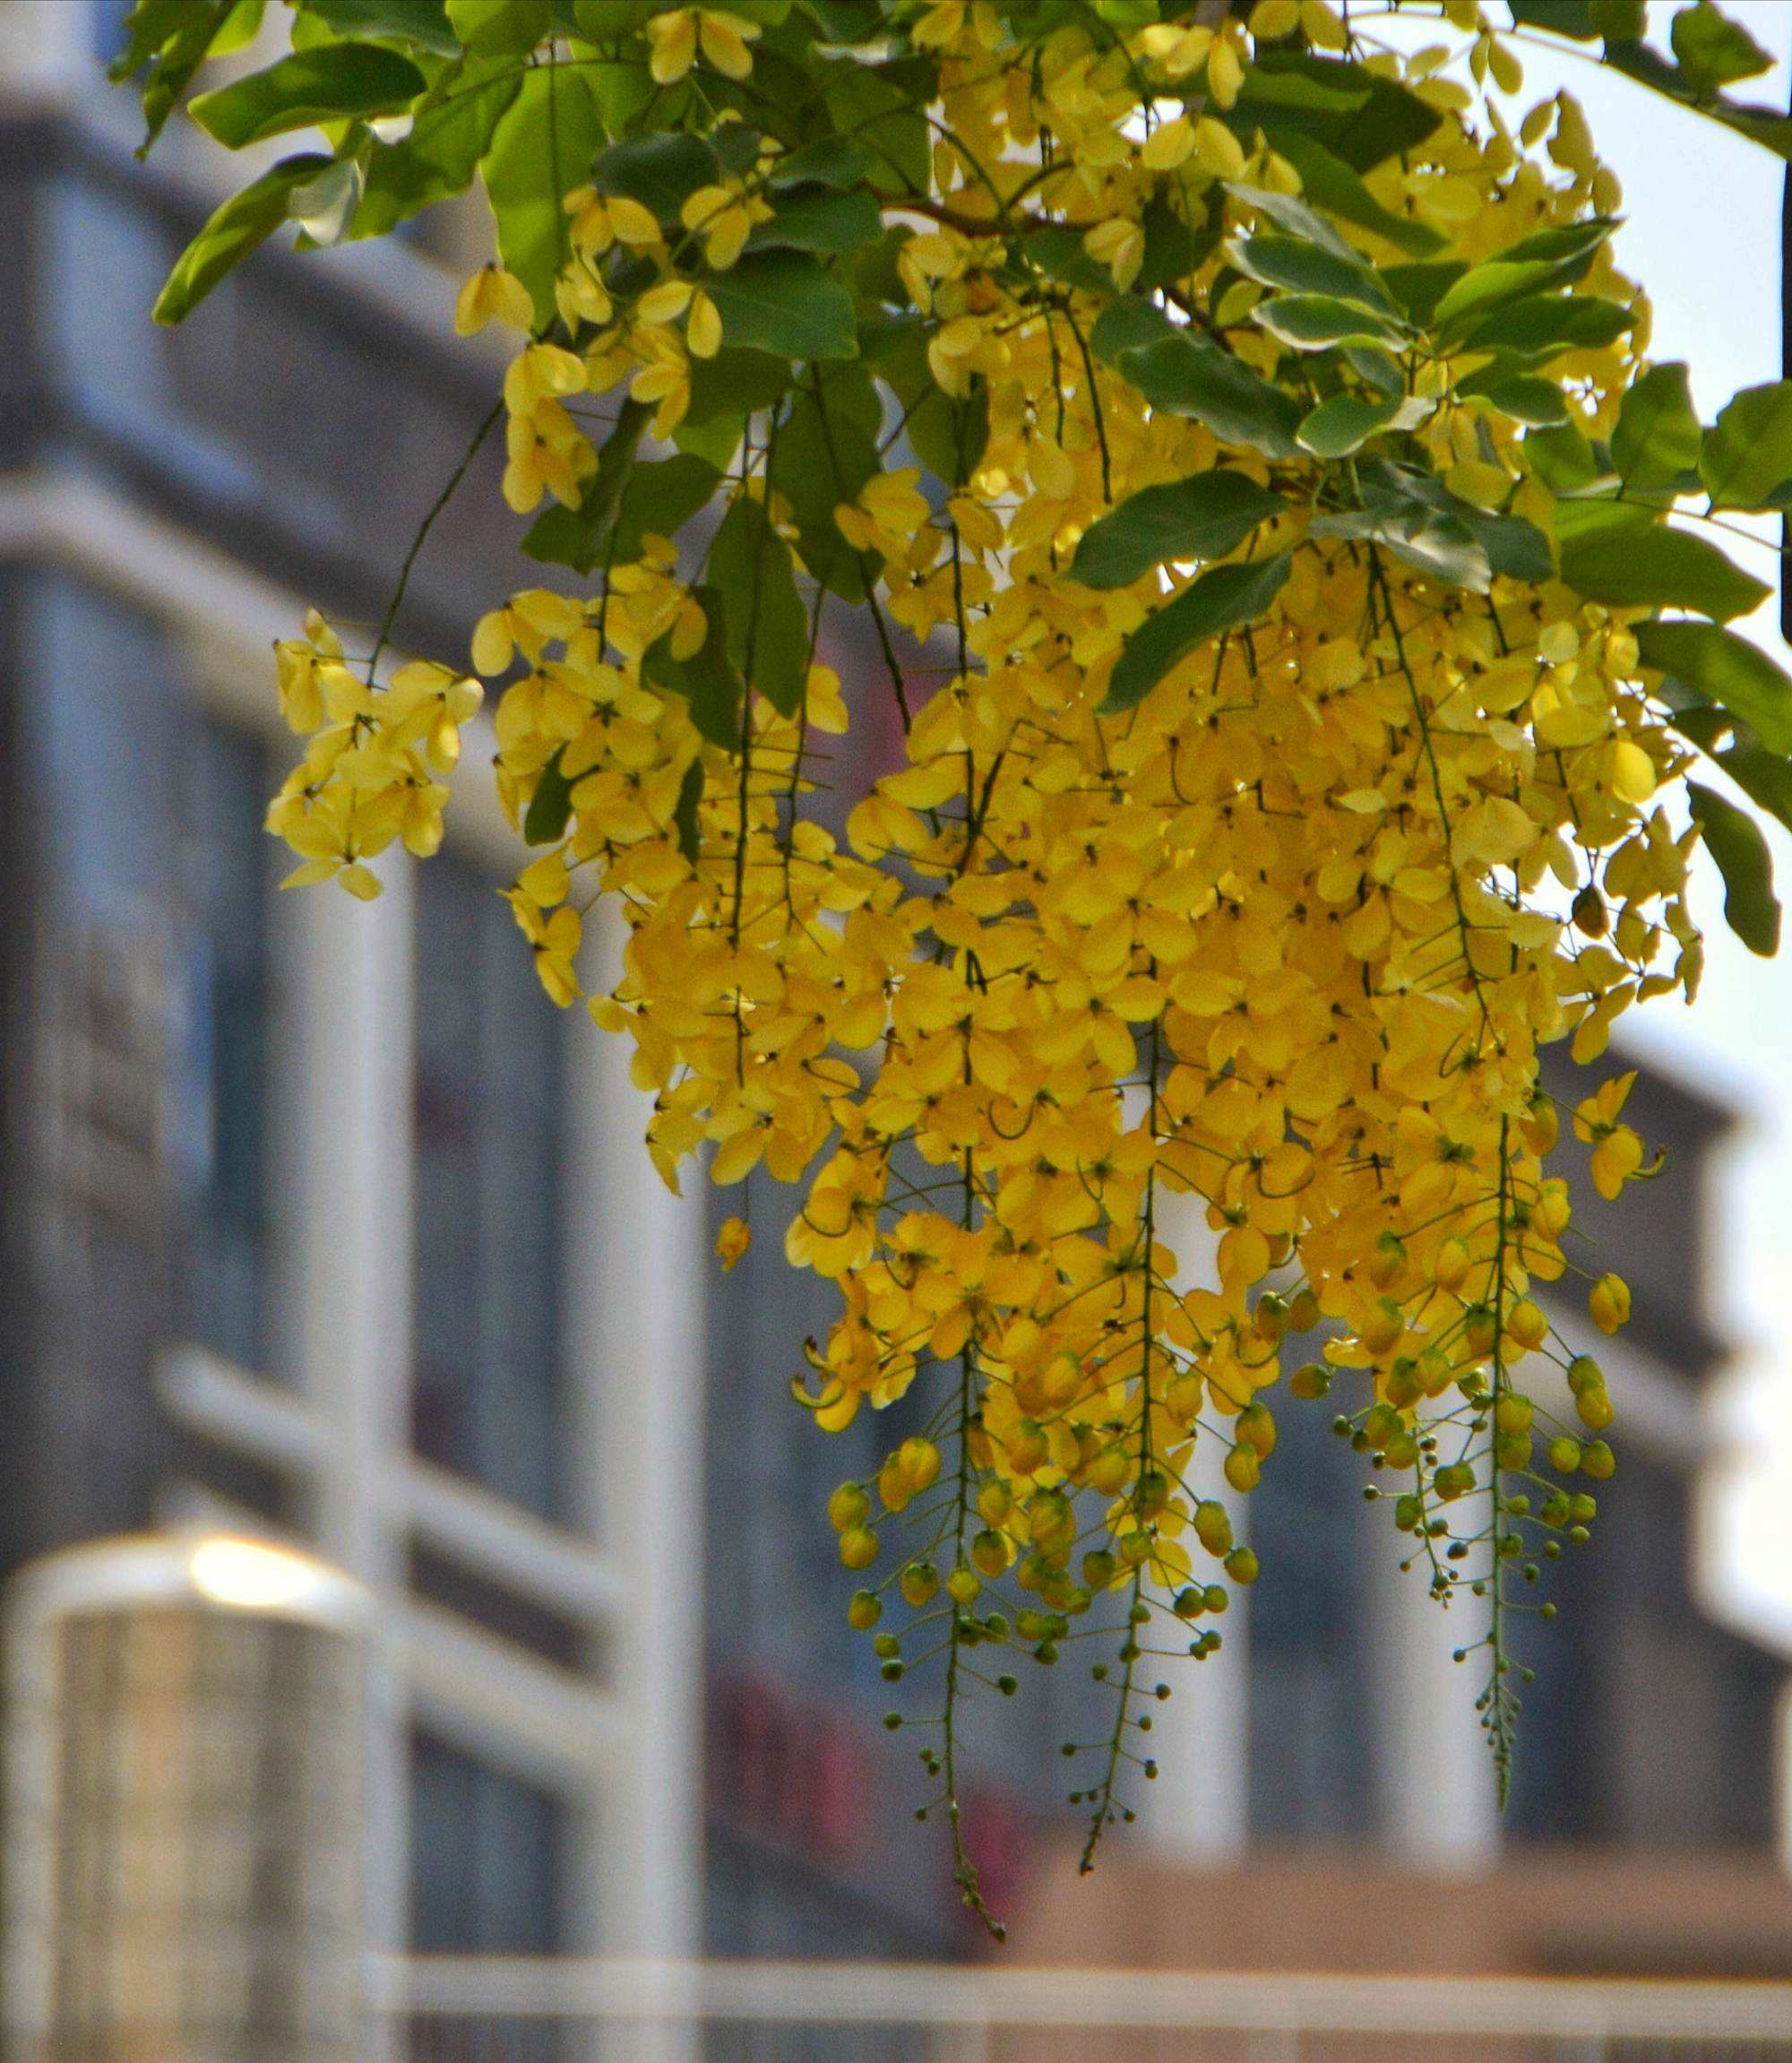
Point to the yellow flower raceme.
(1273, 945)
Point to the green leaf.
(660, 499)
(150, 26)
(172, 38)
(1562, 458)
(823, 457)
(1332, 186)
(1419, 288)
(1515, 548)
(948, 433)
(1765, 777)
(334, 82)
(661, 170)
(246, 220)
(496, 28)
(1628, 565)
(1766, 126)
(815, 218)
(1306, 268)
(1430, 541)
(1541, 328)
(1507, 544)
(622, 87)
(875, 109)
(424, 24)
(324, 207)
(659, 496)
(1746, 462)
(541, 148)
(715, 442)
(1173, 249)
(1658, 438)
(785, 303)
(1726, 670)
(736, 383)
(1714, 50)
(1187, 376)
(1057, 251)
(452, 131)
(605, 22)
(550, 807)
(1126, 324)
(1361, 117)
(845, 21)
(1565, 244)
(1526, 397)
(1203, 517)
(1317, 321)
(831, 162)
(1572, 18)
(1219, 600)
(1734, 840)
(1379, 371)
(685, 812)
(1582, 20)
(707, 680)
(1294, 216)
(768, 628)
(1535, 265)
(1347, 422)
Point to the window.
(110, 29)
(162, 881)
(485, 1858)
(488, 1397)
(1309, 1745)
(230, 865)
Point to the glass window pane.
(162, 882)
(230, 865)
(488, 1397)
(485, 1858)
(1309, 1743)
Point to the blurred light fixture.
(255, 1577)
(183, 1823)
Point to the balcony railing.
(494, 2009)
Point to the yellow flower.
(1119, 244)
(733, 1242)
(675, 38)
(493, 295)
(886, 513)
(556, 937)
(724, 217)
(600, 221)
(1608, 1303)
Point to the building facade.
(314, 1217)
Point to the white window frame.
(619, 1739)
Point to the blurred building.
(314, 1217)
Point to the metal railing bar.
(915, 1994)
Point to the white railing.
(496, 2007)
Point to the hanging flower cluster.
(1251, 425)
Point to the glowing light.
(251, 1576)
